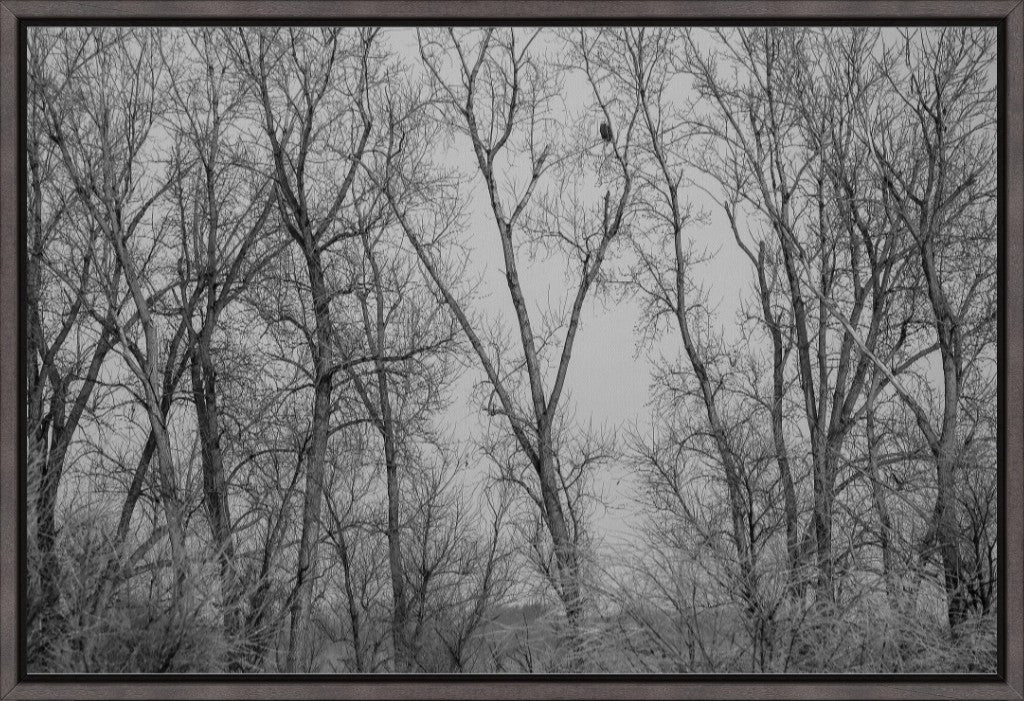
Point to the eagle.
(606, 131)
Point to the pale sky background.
(608, 384)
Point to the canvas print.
(637, 349)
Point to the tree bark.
(323, 362)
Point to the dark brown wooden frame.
(1007, 684)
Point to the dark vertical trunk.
(947, 530)
(566, 555)
(948, 536)
(353, 604)
(323, 361)
(376, 333)
(399, 613)
(204, 393)
(814, 400)
(778, 428)
(395, 566)
(830, 452)
(826, 454)
(738, 507)
(301, 631)
(151, 371)
(50, 462)
(892, 588)
(215, 488)
(168, 498)
(51, 458)
(113, 571)
(822, 520)
(49, 431)
(167, 493)
(821, 517)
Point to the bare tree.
(787, 156)
(933, 141)
(63, 352)
(407, 340)
(217, 259)
(105, 151)
(296, 96)
(498, 95)
(645, 61)
(281, 415)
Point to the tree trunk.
(384, 416)
(822, 520)
(215, 489)
(301, 630)
(947, 529)
(738, 508)
(892, 587)
(948, 536)
(168, 496)
(778, 429)
(566, 556)
(399, 612)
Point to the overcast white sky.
(608, 381)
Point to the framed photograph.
(451, 349)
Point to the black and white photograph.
(595, 349)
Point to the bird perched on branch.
(606, 131)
